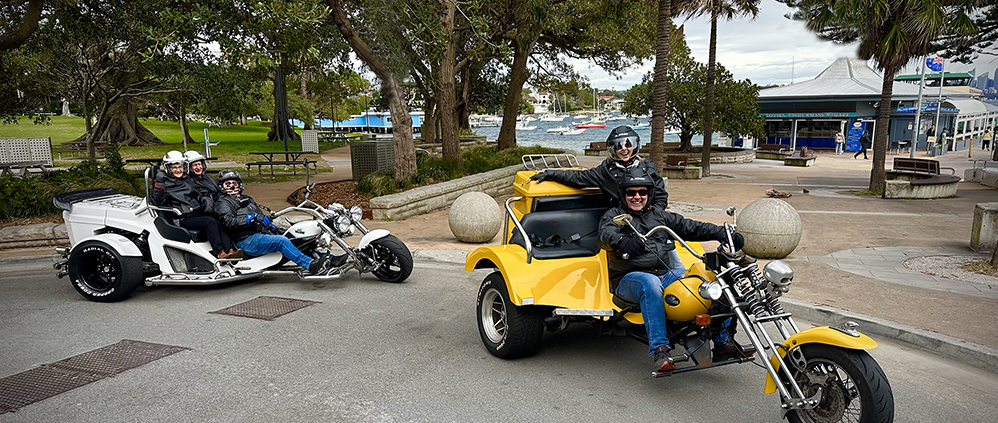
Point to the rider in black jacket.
(172, 189)
(252, 229)
(201, 181)
(644, 274)
(623, 145)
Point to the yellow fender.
(818, 335)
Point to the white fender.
(122, 245)
(372, 236)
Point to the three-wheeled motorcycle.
(119, 241)
(549, 272)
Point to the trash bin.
(367, 157)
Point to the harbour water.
(577, 143)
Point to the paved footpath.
(849, 263)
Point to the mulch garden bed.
(343, 192)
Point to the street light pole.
(918, 114)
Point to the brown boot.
(223, 255)
(236, 253)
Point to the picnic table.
(291, 158)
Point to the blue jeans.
(676, 265)
(260, 244)
(646, 289)
(838, 148)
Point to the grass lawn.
(235, 142)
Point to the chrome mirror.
(622, 219)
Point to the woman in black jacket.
(173, 190)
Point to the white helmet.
(173, 157)
(194, 156)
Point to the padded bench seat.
(178, 233)
(564, 223)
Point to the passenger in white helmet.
(172, 189)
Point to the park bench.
(596, 148)
(919, 178)
(24, 154)
(803, 157)
(681, 167)
(675, 163)
(772, 151)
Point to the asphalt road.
(377, 352)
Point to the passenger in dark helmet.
(253, 231)
(644, 274)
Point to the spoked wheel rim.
(98, 271)
(840, 400)
(390, 267)
(493, 313)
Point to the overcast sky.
(768, 50)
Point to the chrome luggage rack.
(548, 161)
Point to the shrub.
(32, 196)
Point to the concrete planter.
(426, 199)
(984, 232)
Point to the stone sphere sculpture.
(771, 228)
(475, 217)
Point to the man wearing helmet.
(171, 189)
(251, 228)
(623, 145)
(644, 274)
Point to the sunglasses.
(637, 192)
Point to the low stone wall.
(985, 176)
(799, 161)
(37, 235)
(426, 199)
(770, 155)
(691, 172)
(720, 155)
(896, 188)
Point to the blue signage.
(809, 115)
(855, 131)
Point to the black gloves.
(739, 241)
(633, 246)
(538, 177)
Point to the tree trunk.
(877, 175)
(184, 131)
(448, 101)
(464, 107)
(686, 140)
(429, 128)
(280, 128)
(242, 119)
(661, 95)
(405, 149)
(119, 123)
(708, 104)
(518, 76)
(25, 27)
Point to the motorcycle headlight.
(356, 212)
(710, 290)
(343, 224)
(779, 273)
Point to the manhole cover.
(265, 308)
(52, 379)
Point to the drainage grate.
(52, 379)
(265, 308)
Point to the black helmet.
(637, 177)
(622, 136)
(229, 175)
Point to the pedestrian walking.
(840, 143)
(986, 138)
(864, 143)
(930, 138)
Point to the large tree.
(727, 10)
(892, 33)
(18, 20)
(660, 95)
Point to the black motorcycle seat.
(582, 223)
(623, 304)
(177, 233)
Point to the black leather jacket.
(232, 212)
(176, 193)
(610, 235)
(607, 175)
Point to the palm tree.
(660, 96)
(892, 33)
(728, 10)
